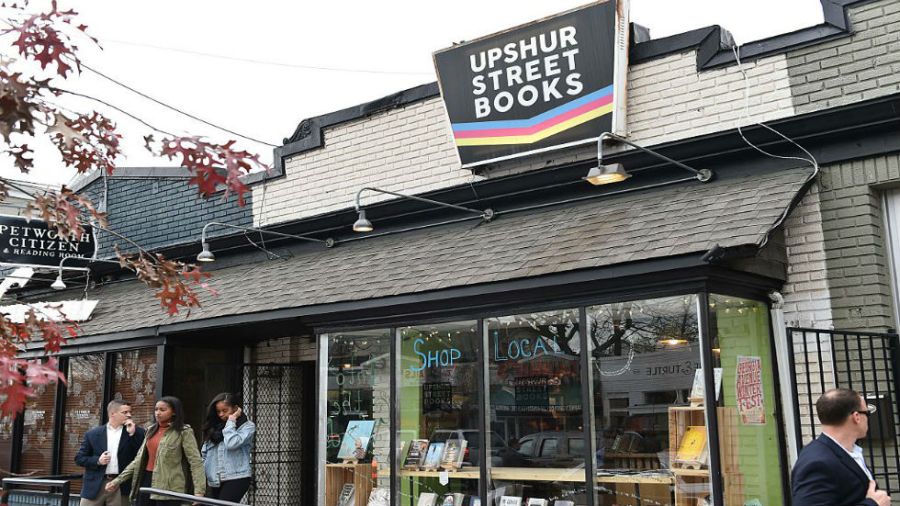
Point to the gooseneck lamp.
(363, 224)
(616, 173)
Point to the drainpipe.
(782, 356)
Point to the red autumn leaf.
(21, 157)
(172, 279)
(20, 104)
(66, 211)
(41, 37)
(86, 142)
(37, 373)
(16, 395)
(213, 165)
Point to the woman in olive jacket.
(168, 453)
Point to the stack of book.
(427, 456)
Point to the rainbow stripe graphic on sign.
(527, 131)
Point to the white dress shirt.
(113, 436)
(856, 455)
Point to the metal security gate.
(280, 399)
(863, 361)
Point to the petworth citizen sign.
(32, 242)
(546, 85)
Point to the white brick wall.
(284, 350)
(863, 66)
(410, 149)
(807, 300)
(669, 100)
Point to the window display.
(501, 410)
(536, 408)
(748, 431)
(438, 402)
(358, 408)
(651, 431)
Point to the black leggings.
(231, 490)
(144, 499)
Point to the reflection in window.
(536, 430)
(644, 358)
(135, 382)
(439, 408)
(84, 407)
(37, 438)
(358, 416)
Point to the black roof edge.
(173, 173)
(714, 47)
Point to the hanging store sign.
(543, 86)
(33, 242)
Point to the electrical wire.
(746, 114)
(171, 107)
(271, 63)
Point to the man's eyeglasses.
(869, 410)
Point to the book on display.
(433, 457)
(415, 454)
(427, 499)
(454, 449)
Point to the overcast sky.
(242, 67)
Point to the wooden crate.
(336, 475)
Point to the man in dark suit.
(831, 470)
(105, 452)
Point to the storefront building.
(585, 345)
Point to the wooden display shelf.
(336, 475)
(538, 474)
(469, 473)
(641, 479)
(544, 474)
(694, 473)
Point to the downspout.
(782, 357)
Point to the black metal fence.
(274, 397)
(863, 361)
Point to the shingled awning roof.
(675, 220)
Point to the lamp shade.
(362, 224)
(606, 174)
(206, 255)
(59, 284)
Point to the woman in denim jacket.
(227, 437)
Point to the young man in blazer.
(831, 469)
(107, 450)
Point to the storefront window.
(37, 438)
(536, 410)
(649, 421)
(748, 431)
(84, 406)
(439, 431)
(358, 407)
(135, 382)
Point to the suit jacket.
(93, 445)
(825, 475)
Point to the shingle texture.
(676, 220)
